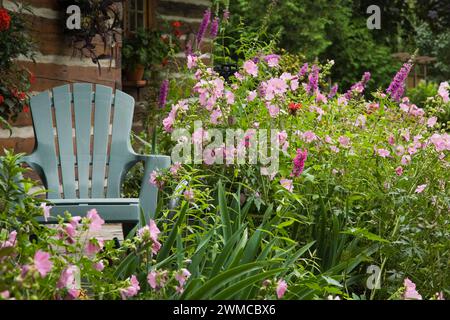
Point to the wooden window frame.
(148, 12)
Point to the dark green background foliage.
(337, 30)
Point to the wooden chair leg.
(127, 228)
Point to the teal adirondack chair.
(82, 161)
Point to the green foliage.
(147, 48)
(437, 45)
(328, 30)
(15, 81)
(15, 40)
(422, 92)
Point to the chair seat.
(114, 210)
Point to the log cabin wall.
(56, 64)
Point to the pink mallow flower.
(169, 121)
(273, 110)
(272, 60)
(441, 142)
(229, 96)
(174, 168)
(281, 288)
(251, 95)
(309, 136)
(383, 153)
(11, 242)
(150, 232)
(443, 91)
(406, 159)
(46, 210)
(157, 280)
(182, 276)
(410, 291)
(42, 262)
(95, 221)
(93, 246)
(68, 281)
(155, 179)
(399, 170)
(99, 266)
(131, 290)
(287, 184)
(344, 141)
(215, 115)
(189, 194)
(191, 61)
(250, 68)
(420, 188)
(151, 279)
(431, 122)
(274, 87)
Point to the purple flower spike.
(333, 91)
(358, 88)
(313, 78)
(397, 86)
(226, 15)
(303, 70)
(163, 93)
(203, 26)
(214, 30)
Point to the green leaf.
(236, 288)
(219, 262)
(214, 284)
(123, 266)
(226, 222)
(168, 244)
(363, 233)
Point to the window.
(138, 14)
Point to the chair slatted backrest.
(80, 152)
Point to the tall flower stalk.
(203, 26)
(397, 87)
(163, 91)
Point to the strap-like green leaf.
(164, 253)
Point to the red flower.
(176, 24)
(293, 107)
(177, 33)
(164, 62)
(2, 99)
(5, 19)
(19, 95)
(26, 108)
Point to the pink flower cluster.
(169, 121)
(443, 91)
(182, 276)
(67, 280)
(132, 289)
(150, 232)
(441, 142)
(299, 162)
(157, 279)
(411, 109)
(410, 291)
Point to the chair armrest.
(148, 196)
